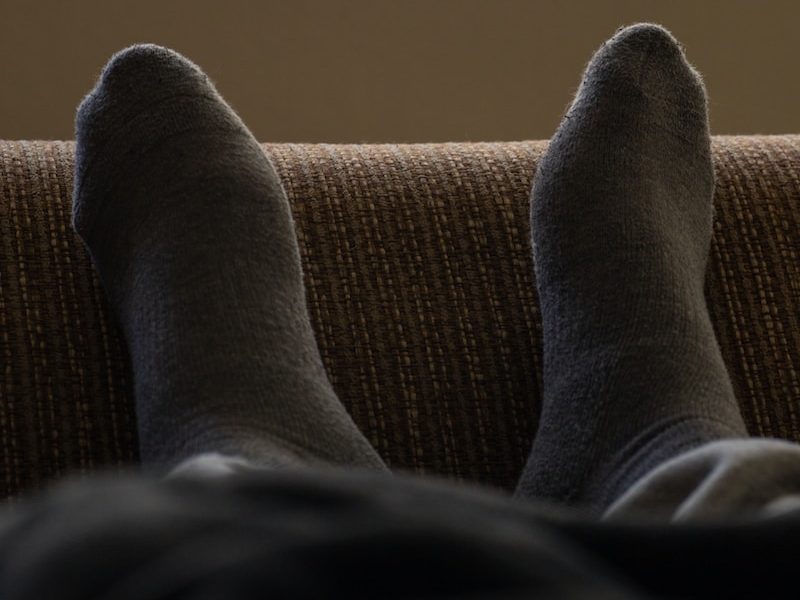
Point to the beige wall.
(394, 70)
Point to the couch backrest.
(419, 277)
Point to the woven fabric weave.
(419, 279)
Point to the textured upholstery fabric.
(419, 276)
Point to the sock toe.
(646, 60)
(142, 75)
(644, 36)
(640, 80)
(145, 94)
(142, 68)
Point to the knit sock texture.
(193, 239)
(621, 216)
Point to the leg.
(621, 224)
(192, 235)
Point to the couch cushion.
(419, 278)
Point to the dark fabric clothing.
(315, 534)
(192, 236)
(621, 223)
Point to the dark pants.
(726, 526)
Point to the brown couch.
(419, 277)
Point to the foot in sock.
(621, 212)
(193, 238)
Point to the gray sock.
(193, 238)
(621, 213)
